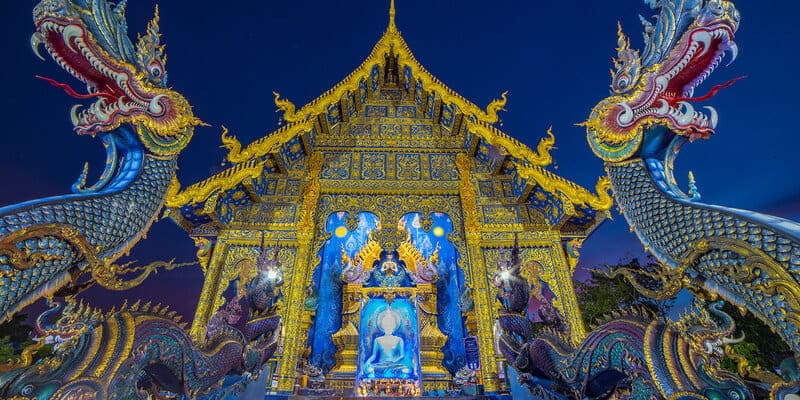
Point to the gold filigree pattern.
(758, 271)
(392, 42)
(204, 249)
(529, 163)
(200, 192)
(468, 197)
(103, 270)
(294, 342)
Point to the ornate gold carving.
(395, 187)
(431, 338)
(393, 42)
(369, 253)
(294, 339)
(553, 183)
(389, 187)
(392, 16)
(266, 145)
(103, 270)
(547, 254)
(305, 227)
(758, 271)
(286, 106)
(207, 295)
(390, 238)
(204, 248)
(483, 305)
(468, 197)
(414, 258)
(346, 338)
(231, 143)
(572, 249)
(110, 275)
(303, 120)
(494, 137)
(346, 341)
(201, 191)
(671, 280)
(497, 105)
(531, 167)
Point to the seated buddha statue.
(388, 350)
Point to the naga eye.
(156, 70)
(623, 81)
(716, 7)
(28, 389)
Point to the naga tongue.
(70, 91)
(711, 93)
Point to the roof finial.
(392, 26)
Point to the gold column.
(293, 338)
(565, 291)
(209, 295)
(482, 297)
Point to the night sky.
(553, 57)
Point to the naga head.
(686, 43)
(75, 320)
(127, 83)
(709, 328)
(50, 377)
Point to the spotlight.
(505, 275)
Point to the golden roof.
(530, 164)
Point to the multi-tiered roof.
(391, 101)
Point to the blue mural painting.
(449, 285)
(328, 285)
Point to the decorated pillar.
(212, 262)
(482, 293)
(293, 338)
(559, 277)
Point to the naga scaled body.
(46, 243)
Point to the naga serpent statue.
(749, 259)
(633, 355)
(46, 243)
(142, 352)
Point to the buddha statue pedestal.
(434, 375)
(384, 368)
(342, 377)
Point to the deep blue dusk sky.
(553, 57)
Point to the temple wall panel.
(233, 261)
(389, 183)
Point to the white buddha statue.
(388, 350)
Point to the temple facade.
(389, 202)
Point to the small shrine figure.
(390, 270)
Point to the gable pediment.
(392, 127)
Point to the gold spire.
(392, 26)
